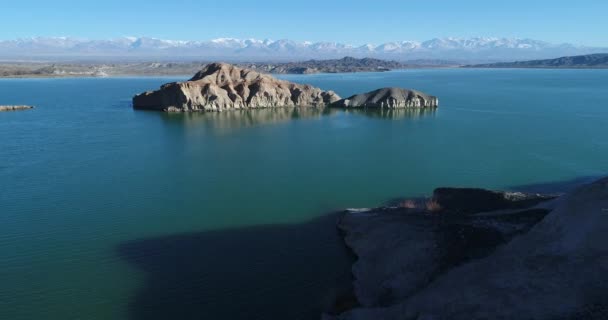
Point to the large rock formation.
(389, 98)
(221, 86)
(15, 108)
(548, 261)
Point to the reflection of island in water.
(237, 119)
(393, 114)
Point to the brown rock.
(221, 86)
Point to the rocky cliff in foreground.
(392, 98)
(221, 86)
(478, 254)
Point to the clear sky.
(356, 22)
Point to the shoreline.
(165, 75)
(96, 77)
(161, 75)
(345, 65)
(543, 68)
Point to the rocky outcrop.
(14, 108)
(221, 86)
(547, 261)
(473, 200)
(389, 98)
(402, 249)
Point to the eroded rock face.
(401, 250)
(392, 98)
(553, 266)
(221, 86)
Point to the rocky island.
(481, 254)
(221, 86)
(15, 108)
(392, 98)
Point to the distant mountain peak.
(481, 49)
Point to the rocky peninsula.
(589, 61)
(15, 108)
(481, 254)
(221, 86)
(392, 98)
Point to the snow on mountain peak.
(475, 48)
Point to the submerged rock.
(221, 86)
(393, 98)
(548, 261)
(15, 108)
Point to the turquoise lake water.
(111, 213)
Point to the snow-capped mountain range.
(455, 49)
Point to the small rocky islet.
(391, 98)
(222, 86)
(14, 107)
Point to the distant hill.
(346, 64)
(598, 60)
(52, 70)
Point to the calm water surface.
(111, 213)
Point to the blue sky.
(356, 22)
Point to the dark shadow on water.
(262, 272)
